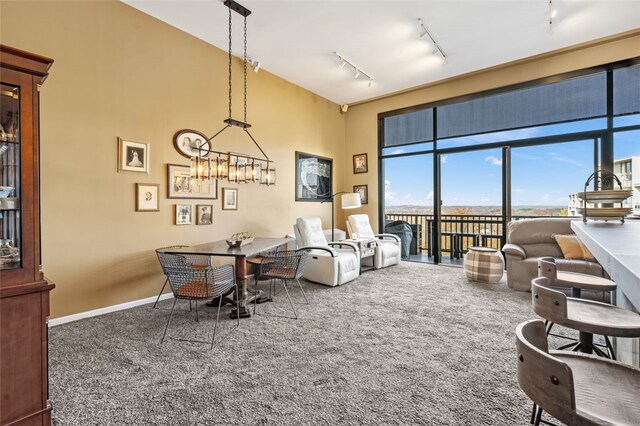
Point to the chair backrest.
(164, 260)
(547, 268)
(189, 282)
(549, 304)
(308, 232)
(286, 264)
(359, 224)
(535, 236)
(546, 380)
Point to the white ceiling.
(296, 39)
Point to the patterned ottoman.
(483, 264)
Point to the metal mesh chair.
(195, 282)
(196, 260)
(285, 266)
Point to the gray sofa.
(530, 239)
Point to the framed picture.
(184, 214)
(204, 214)
(363, 190)
(229, 199)
(314, 177)
(191, 143)
(133, 156)
(181, 185)
(147, 197)
(360, 164)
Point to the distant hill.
(481, 210)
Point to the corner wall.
(119, 72)
(362, 119)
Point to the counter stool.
(586, 316)
(578, 282)
(575, 388)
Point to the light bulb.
(357, 73)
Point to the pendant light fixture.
(222, 165)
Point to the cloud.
(494, 160)
(519, 191)
(546, 197)
(430, 196)
(444, 159)
(397, 151)
(559, 157)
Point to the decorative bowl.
(606, 195)
(5, 191)
(238, 243)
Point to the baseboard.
(108, 309)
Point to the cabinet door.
(19, 221)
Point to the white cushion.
(360, 226)
(310, 230)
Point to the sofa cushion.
(543, 249)
(572, 247)
(537, 231)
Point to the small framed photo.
(133, 156)
(360, 163)
(147, 197)
(204, 214)
(363, 190)
(229, 199)
(184, 214)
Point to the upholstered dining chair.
(575, 388)
(387, 252)
(194, 282)
(285, 266)
(331, 264)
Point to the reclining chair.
(326, 265)
(387, 251)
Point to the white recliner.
(326, 265)
(387, 252)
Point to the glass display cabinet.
(24, 291)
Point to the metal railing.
(458, 233)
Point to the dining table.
(240, 253)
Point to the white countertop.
(616, 246)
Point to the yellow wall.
(361, 125)
(119, 72)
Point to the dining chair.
(575, 388)
(285, 266)
(198, 261)
(195, 282)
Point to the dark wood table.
(221, 248)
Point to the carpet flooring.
(411, 344)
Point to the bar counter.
(616, 246)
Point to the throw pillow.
(572, 247)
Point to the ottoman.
(483, 264)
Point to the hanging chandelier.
(210, 164)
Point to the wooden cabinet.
(24, 292)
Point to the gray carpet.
(410, 344)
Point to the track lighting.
(424, 33)
(553, 12)
(357, 71)
(255, 65)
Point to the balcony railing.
(458, 233)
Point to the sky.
(541, 175)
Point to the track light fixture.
(255, 65)
(552, 12)
(357, 70)
(424, 32)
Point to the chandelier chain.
(229, 62)
(245, 69)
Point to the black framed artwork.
(314, 177)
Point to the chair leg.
(197, 316)
(538, 417)
(160, 294)
(612, 354)
(289, 297)
(168, 321)
(534, 411)
(215, 324)
(303, 293)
